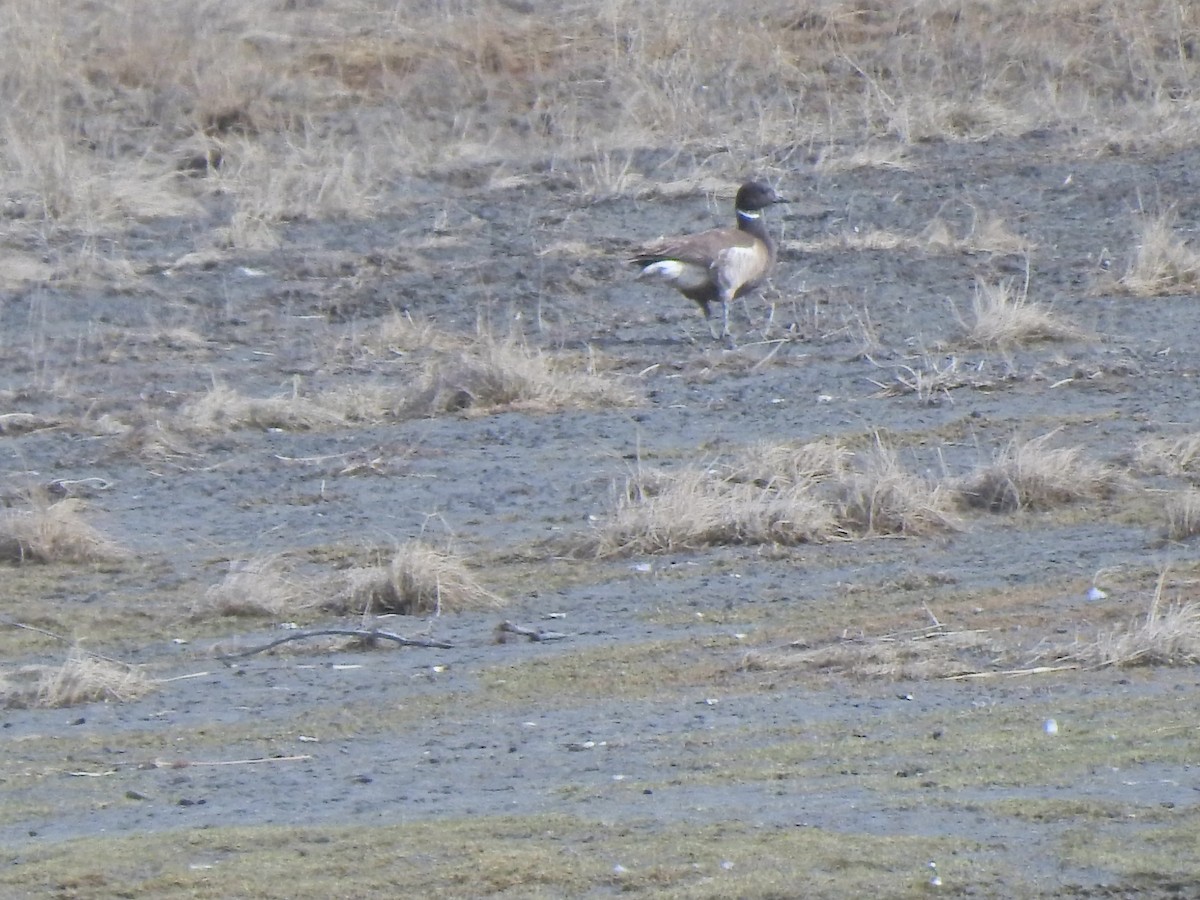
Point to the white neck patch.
(748, 214)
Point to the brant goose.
(718, 265)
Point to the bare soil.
(644, 716)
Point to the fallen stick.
(534, 634)
(1036, 670)
(369, 636)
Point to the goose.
(720, 265)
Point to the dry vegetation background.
(314, 313)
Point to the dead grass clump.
(224, 409)
(496, 375)
(1004, 317)
(931, 379)
(397, 335)
(418, 580)
(257, 587)
(1169, 456)
(1183, 515)
(1162, 263)
(931, 653)
(882, 497)
(785, 465)
(49, 532)
(1168, 635)
(893, 156)
(695, 508)
(82, 678)
(1032, 475)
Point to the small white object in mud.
(1050, 726)
(642, 567)
(1094, 593)
(619, 869)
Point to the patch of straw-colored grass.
(258, 587)
(881, 497)
(1162, 263)
(418, 580)
(1003, 316)
(786, 465)
(1183, 515)
(1169, 456)
(889, 156)
(501, 375)
(225, 409)
(1167, 635)
(696, 508)
(1030, 474)
(45, 532)
(82, 678)
(930, 653)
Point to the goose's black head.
(755, 195)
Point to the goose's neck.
(751, 222)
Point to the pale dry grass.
(882, 497)
(986, 234)
(770, 494)
(1031, 474)
(1183, 515)
(696, 508)
(418, 580)
(223, 409)
(321, 179)
(1162, 262)
(104, 102)
(1169, 456)
(82, 678)
(46, 532)
(930, 378)
(1167, 635)
(930, 653)
(788, 465)
(259, 587)
(1003, 316)
(495, 375)
(893, 156)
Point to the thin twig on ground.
(369, 636)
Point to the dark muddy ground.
(584, 726)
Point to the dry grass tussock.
(225, 409)
(47, 532)
(418, 580)
(493, 375)
(1031, 474)
(106, 102)
(448, 374)
(985, 235)
(82, 678)
(259, 587)
(1167, 635)
(1002, 316)
(1162, 262)
(1169, 456)
(694, 508)
(882, 497)
(782, 495)
(928, 653)
(1183, 515)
